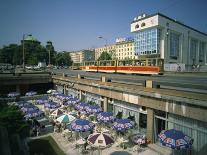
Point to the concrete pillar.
(149, 83)
(150, 124)
(105, 103)
(103, 79)
(79, 76)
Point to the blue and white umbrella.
(92, 109)
(42, 100)
(28, 108)
(105, 117)
(13, 94)
(34, 113)
(122, 124)
(31, 93)
(51, 105)
(175, 139)
(81, 106)
(82, 125)
(20, 104)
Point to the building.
(77, 56)
(124, 48)
(89, 55)
(109, 48)
(82, 55)
(160, 36)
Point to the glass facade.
(174, 45)
(147, 42)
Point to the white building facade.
(77, 56)
(160, 36)
(124, 49)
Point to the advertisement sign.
(118, 40)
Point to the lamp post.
(101, 37)
(23, 52)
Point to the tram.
(138, 66)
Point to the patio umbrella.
(105, 117)
(51, 91)
(42, 100)
(56, 112)
(13, 94)
(20, 104)
(175, 139)
(122, 124)
(100, 140)
(72, 101)
(34, 113)
(65, 118)
(93, 109)
(81, 125)
(81, 106)
(51, 105)
(27, 108)
(31, 93)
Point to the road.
(194, 82)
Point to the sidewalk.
(69, 148)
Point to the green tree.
(105, 56)
(13, 120)
(63, 59)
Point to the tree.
(105, 56)
(63, 59)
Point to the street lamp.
(23, 57)
(101, 37)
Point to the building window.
(201, 51)
(193, 49)
(174, 45)
(147, 42)
(137, 26)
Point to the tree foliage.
(63, 59)
(34, 53)
(13, 120)
(105, 56)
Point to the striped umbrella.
(100, 140)
(122, 124)
(92, 109)
(42, 100)
(81, 106)
(56, 112)
(65, 118)
(105, 117)
(175, 139)
(82, 125)
(51, 105)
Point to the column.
(105, 103)
(150, 124)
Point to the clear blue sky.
(76, 24)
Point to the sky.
(76, 24)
